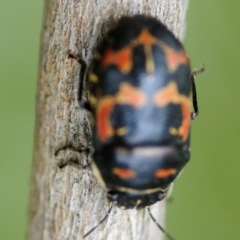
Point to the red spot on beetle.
(124, 173)
(170, 94)
(145, 38)
(174, 58)
(121, 58)
(131, 96)
(127, 94)
(105, 106)
(164, 173)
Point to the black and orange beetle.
(141, 100)
(141, 96)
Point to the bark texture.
(65, 203)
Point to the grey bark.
(65, 203)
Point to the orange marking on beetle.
(164, 173)
(121, 58)
(105, 106)
(170, 94)
(131, 95)
(186, 118)
(166, 95)
(124, 173)
(145, 38)
(174, 58)
(127, 94)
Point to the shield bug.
(141, 99)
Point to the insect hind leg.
(69, 155)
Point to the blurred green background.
(206, 198)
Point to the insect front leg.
(82, 76)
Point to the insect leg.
(73, 160)
(83, 103)
(194, 91)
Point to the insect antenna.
(158, 225)
(99, 223)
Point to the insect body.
(141, 100)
